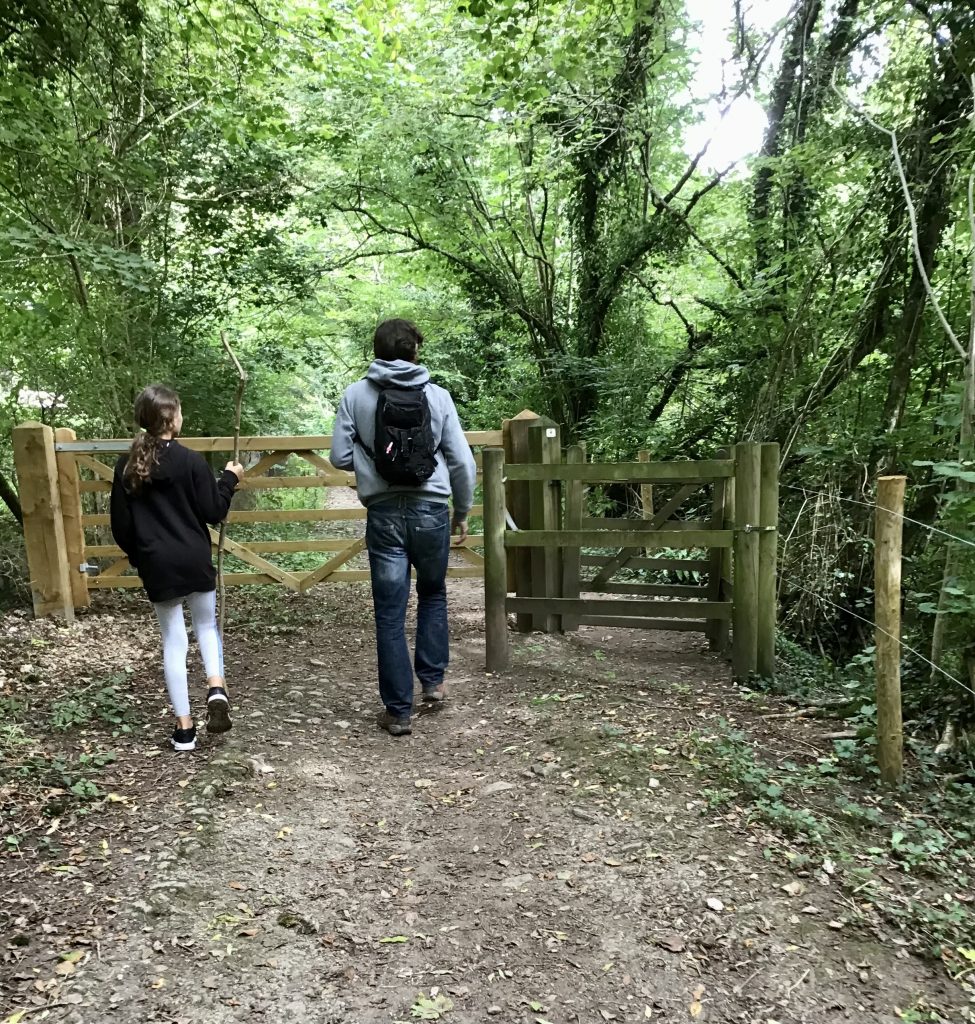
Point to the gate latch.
(88, 569)
(751, 528)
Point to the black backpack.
(405, 452)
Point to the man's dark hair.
(396, 339)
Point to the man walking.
(402, 436)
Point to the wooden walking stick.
(238, 399)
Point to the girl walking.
(163, 496)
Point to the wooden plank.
(100, 470)
(745, 625)
(270, 547)
(673, 525)
(237, 579)
(339, 477)
(294, 515)
(646, 490)
(88, 486)
(468, 554)
(74, 535)
(495, 565)
(593, 539)
(266, 462)
(624, 472)
(322, 442)
(242, 552)
(310, 579)
(519, 507)
(622, 622)
(40, 499)
(768, 543)
(607, 606)
(717, 632)
(274, 483)
(575, 500)
(117, 568)
(249, 483)
(654, 523)
(649, 589)
(655, 564)
(544, 449)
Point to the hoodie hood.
(166, 467)
(398, 372)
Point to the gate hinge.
(88, 569)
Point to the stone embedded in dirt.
(497, 787)
(672, 941)
(259, 766)
(318, 663)
(298, 923)
(584, 815)
(494, 1010)
(714, 904)
(517, 881)
(795, 888)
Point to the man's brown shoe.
(435, 695)
(395, 726)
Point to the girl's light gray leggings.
(203, 612)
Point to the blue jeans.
(400, 533)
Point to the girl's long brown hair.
(156, 409)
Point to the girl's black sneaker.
(184, 739)
(218, 710)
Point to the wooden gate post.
(516, 449)
(572, 557)
(69, 488)
(768, 547)
(495, 567)
(47, 555)
(717, 629)
(546, 504)
(646, 490)
(748, 461)
(887, 601)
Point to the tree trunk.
(11, 499)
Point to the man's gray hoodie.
(456, 471)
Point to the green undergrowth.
(907, 854)
(54, 749)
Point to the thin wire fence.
(870, 504)
(870, 622)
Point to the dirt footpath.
(537, 852)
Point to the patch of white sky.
(733, 128)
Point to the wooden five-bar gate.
(64, 483)
(541, 540)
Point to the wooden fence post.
(717, 629)
(646, 490)
(47, 556)
(515, 434)
(495, 566)
(887, 606)
(747, 512)
(544, 448)
(572, 557)
(768, 547)
(74, 535)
